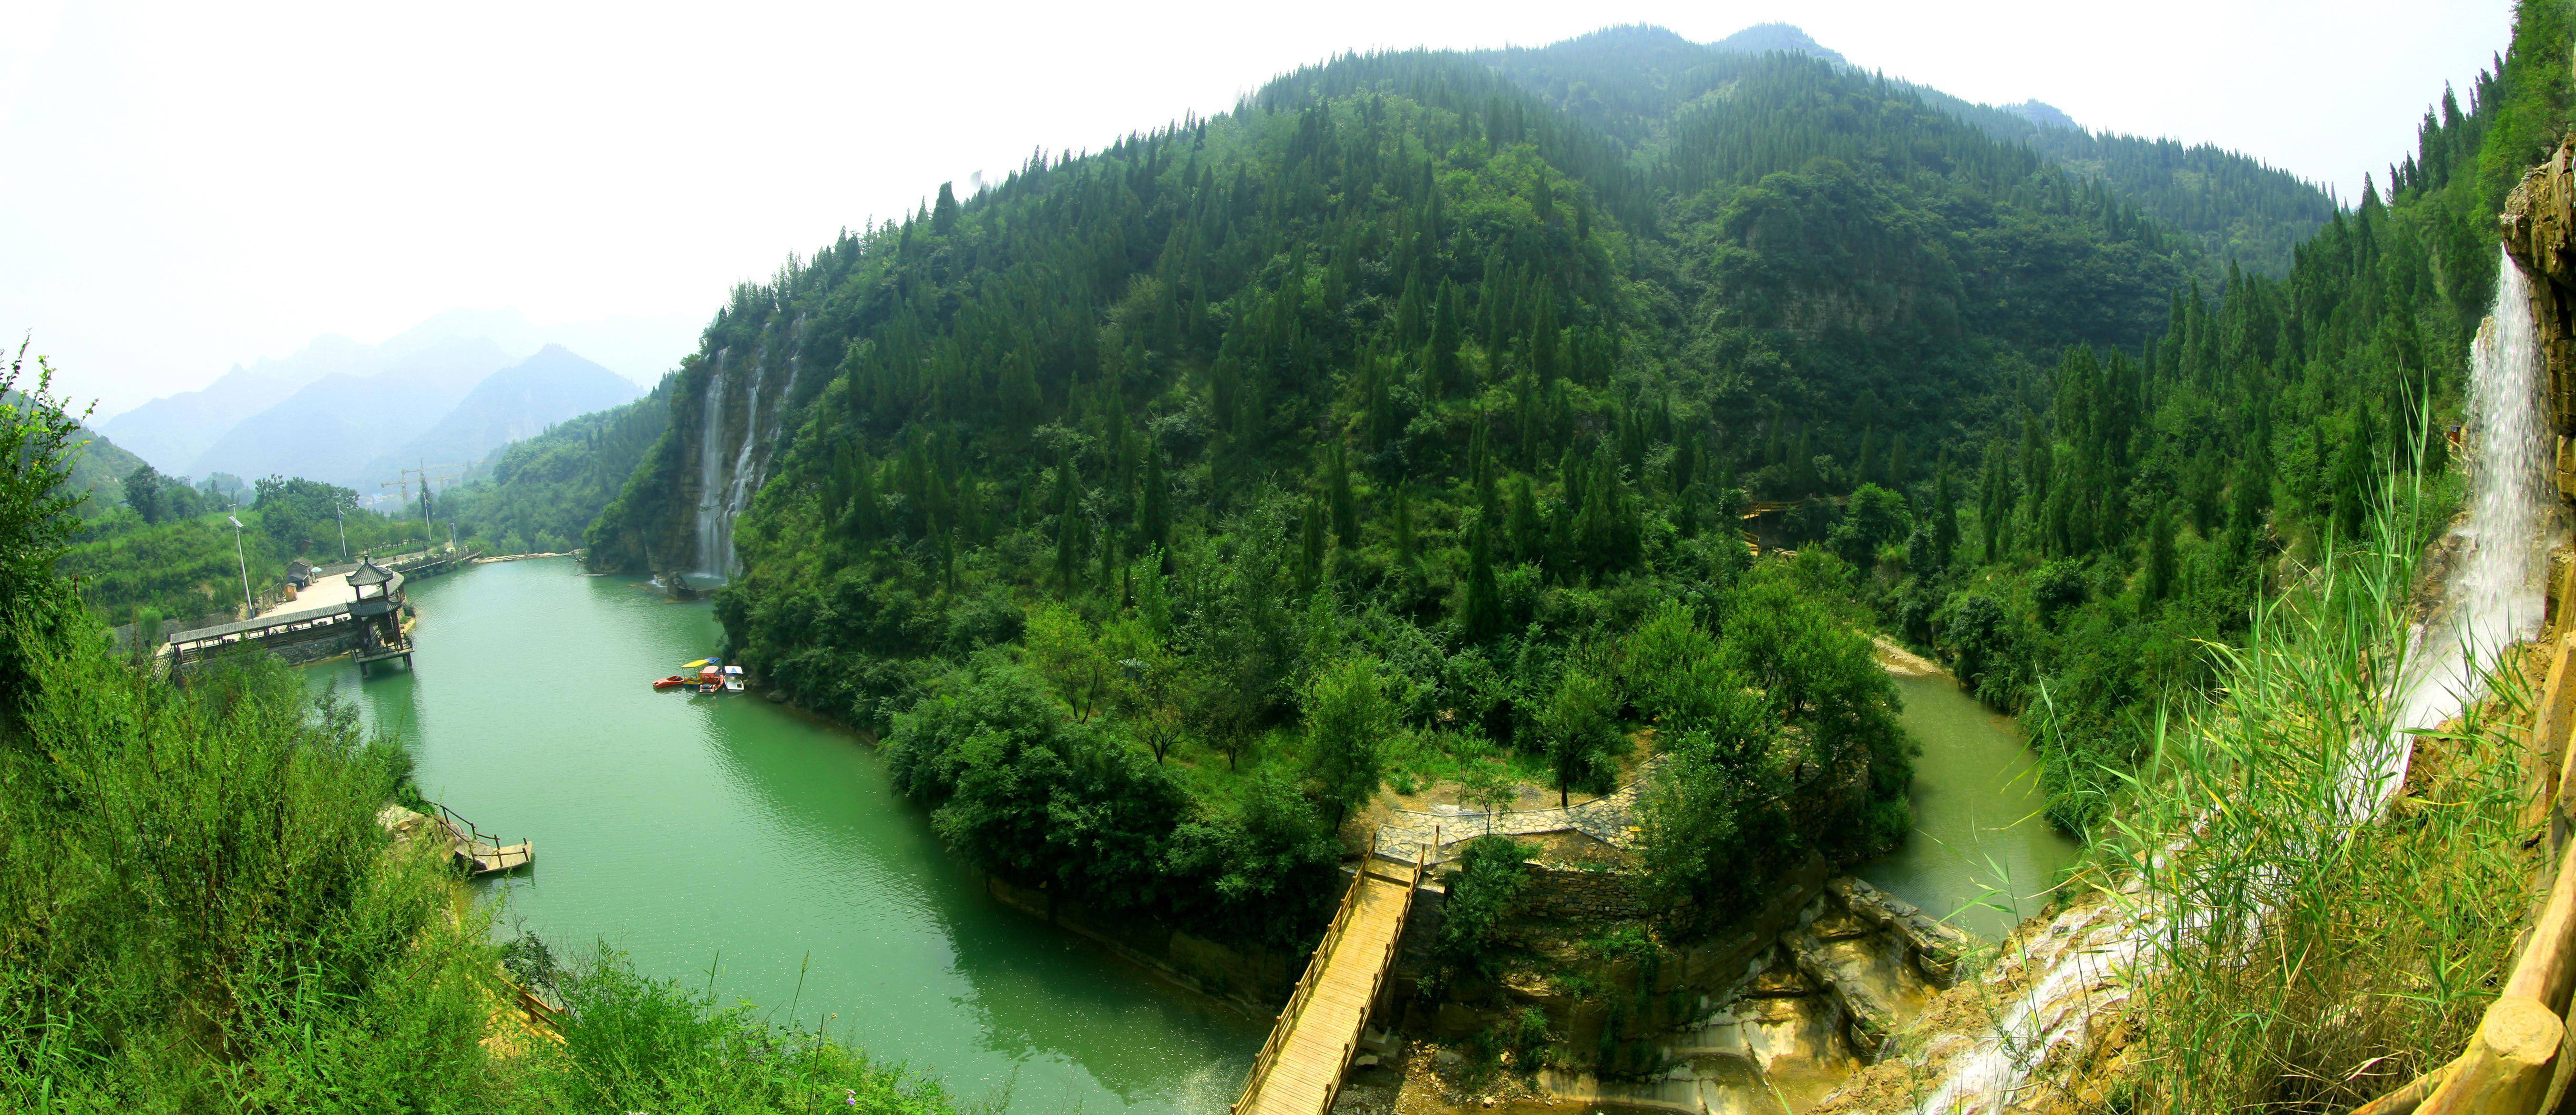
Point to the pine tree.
(2352, 476)
(1482, 616)
(1409, 312)
(2161, 562)
(943, 216)
(1405, 549)
(1440, 367)
(1068, 525)
(1154, 519)
(1021, 401)
(1310, 551)
(1945, 521)
(1528, 534)
(1346, 506)
(860, 522)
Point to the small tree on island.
(1579, 728)
(1347, 717)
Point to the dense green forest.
(1631, 82)
(170, 552)
(1395, 428)
(538, 495)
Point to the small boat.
(672, 682)
(733, 679)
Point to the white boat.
(733, 679)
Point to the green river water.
(728, 833)
(694, 831)
(1981, 855)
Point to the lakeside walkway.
(323, 593)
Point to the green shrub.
(1482, 890)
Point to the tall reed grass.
(199, 913)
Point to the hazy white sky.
(184, 187)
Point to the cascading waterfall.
(2492, 600)
(739, 492)
(710, 472)
(723, 495)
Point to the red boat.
(672, 682)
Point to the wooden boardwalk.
(1300, 1068)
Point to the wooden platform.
(482, 857)
(1300, 1068)
(480, 854)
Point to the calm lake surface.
(1981, 853)
(727, 833)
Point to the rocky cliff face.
(2539, 231)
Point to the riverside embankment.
(732, 834)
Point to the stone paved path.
(1610, 820)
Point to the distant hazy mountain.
(514, 403)
(176, 431)
(336, 427)
(2042, 114)
(639, 347)
(172, 431)
(1762, 38)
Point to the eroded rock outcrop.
(2539, 231)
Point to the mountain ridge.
(513, 404)
(2199, 189)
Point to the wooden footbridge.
(1300, 1068)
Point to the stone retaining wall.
(1560, 894)
(1252, 976)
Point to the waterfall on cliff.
(738, 493)
(2492, 598)
(710, 471)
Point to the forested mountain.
(1636, 83)
(1409, 387)
(1763, 38)
(540, 493)
(98, 468)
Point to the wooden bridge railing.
(1325, 950)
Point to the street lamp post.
(337, 515)
(253, 609)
